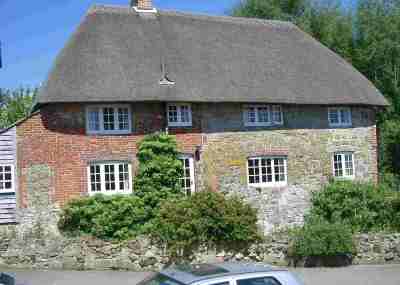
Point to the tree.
(15, 104)
(367, 36)
(159, 172)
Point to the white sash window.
(110, 178)
(112, 119)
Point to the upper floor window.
(262, 115)
(111, 119)
(179, 115)
(339, 117)
(6, 178)
(343, 165)
(110, 178)
(267, 171)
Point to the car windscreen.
(159, 279)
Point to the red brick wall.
(56, 137)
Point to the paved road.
(354, 275)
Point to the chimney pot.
(143, 4)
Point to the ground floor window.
(343, 165)
(187, 179)
(267, 171)
(110, 177)
(6, 178)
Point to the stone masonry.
(55, 139)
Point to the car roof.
(188, 274)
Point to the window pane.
(345, 116)
(109, 176)
(6, 177)
(254, 171)
(348, 164)
(186, 179)
(94, 119)
(123, 118)
(337, 164)
(108, 118)
(263, 115)
(172, 113)
(279, 169)
(258, 281)
(185, 114)
(333, 116)
(123, 176)
(95, 183)
(251, 115)
(277, 114)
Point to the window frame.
(340, 123)
(273, 183)
(103, 181)
(192, 171)
(101, 130)
(179, 122)
(276, 280)
(257, 123)
(12, 190)
(343, 164)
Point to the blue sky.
(32, 32)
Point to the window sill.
(272, 185)
(263, 125)
(109, 133)
(344, 178)
(180, 125)
(340, 126)
(110, 193)
(7, 192)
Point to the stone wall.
(37, 244)
(307, 142)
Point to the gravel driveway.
(354, 275)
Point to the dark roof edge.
(20, 121)
(102, 8)
(39, 104)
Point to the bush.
(364, 207)
(205, 219)
(159, 171)
(106, 217)
(319, 237)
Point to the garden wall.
(36, 243)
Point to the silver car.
(226, 273)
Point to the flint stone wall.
(37, 244)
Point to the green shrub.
(205, 219)
(393, 206)
(106, 217)
(362, 206)
(319, 237)
(159, 170)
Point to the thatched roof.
(119, 55)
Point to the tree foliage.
(205, 219)
(364, 207)
(107, 217)
(159, 171)
(319, 237)
(366, 35)
(15, 104)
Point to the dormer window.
(108, 119)
(179, 115)
(262, 115)
(339, 117)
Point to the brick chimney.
(143, 5)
